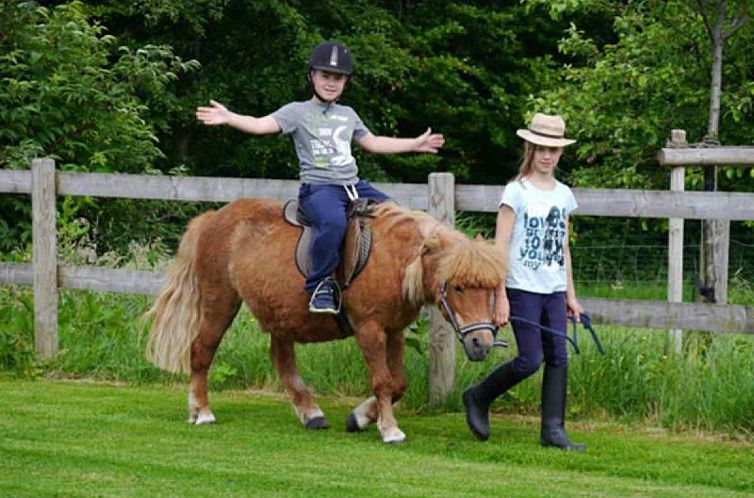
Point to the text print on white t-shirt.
(545, 231)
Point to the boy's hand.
(429, 142)
(215, 115)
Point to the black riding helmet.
(331, 56)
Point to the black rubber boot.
(478, 398)
(554, 386)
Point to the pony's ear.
(479, 238)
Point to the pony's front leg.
(372, 341)
(283, 357)
(366, 412)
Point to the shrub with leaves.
(70, 91)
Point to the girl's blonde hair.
(525, 169)
(526, 163)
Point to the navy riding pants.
(325, 205)
(533, 343)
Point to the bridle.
(462, 332)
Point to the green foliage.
(16, 331)
(98, 85)
(621, 99)
(464, 69)
(557, 9)
(71, 92)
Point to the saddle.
(356, 246)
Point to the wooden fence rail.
(440, 196)
(632, 313)
(481, 198)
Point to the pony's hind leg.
(284, 357)
(216, 319)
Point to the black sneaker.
(323, 299)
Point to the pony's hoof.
(318, 423)
(393, 436)
(352, 424)
(205, 419)
(357, 422)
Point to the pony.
(244, 252)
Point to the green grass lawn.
(62, 438)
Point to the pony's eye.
(458, 289)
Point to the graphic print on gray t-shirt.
(322, 135)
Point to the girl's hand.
(215, 115)
(502, 311)
(429, 142)
(574, 309)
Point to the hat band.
(545, 134)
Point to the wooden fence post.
(714, 246)
(675, 242)
(44, 258)
(713, 259)
(442, 351)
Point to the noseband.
(462, 332)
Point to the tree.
(622, 98)
(464, 68)
(71, 92)
(720, 27)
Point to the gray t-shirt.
(536, 255)
(322, 135)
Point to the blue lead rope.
(585, 321)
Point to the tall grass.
(709, 386)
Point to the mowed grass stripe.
(71, 439)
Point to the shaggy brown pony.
(245, 252)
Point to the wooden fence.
(715, 236)
(440, 196)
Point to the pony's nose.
(475, 348)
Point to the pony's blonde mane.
(461, 261)
(473, 263)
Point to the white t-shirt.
(536, 257)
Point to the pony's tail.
(176, 312)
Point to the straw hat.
(546, 130)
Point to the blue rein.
(585, 321)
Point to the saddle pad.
(354, 251)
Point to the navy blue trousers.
(533, 343)
(325, 205)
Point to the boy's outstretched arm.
(426, 142)
(218, 114)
